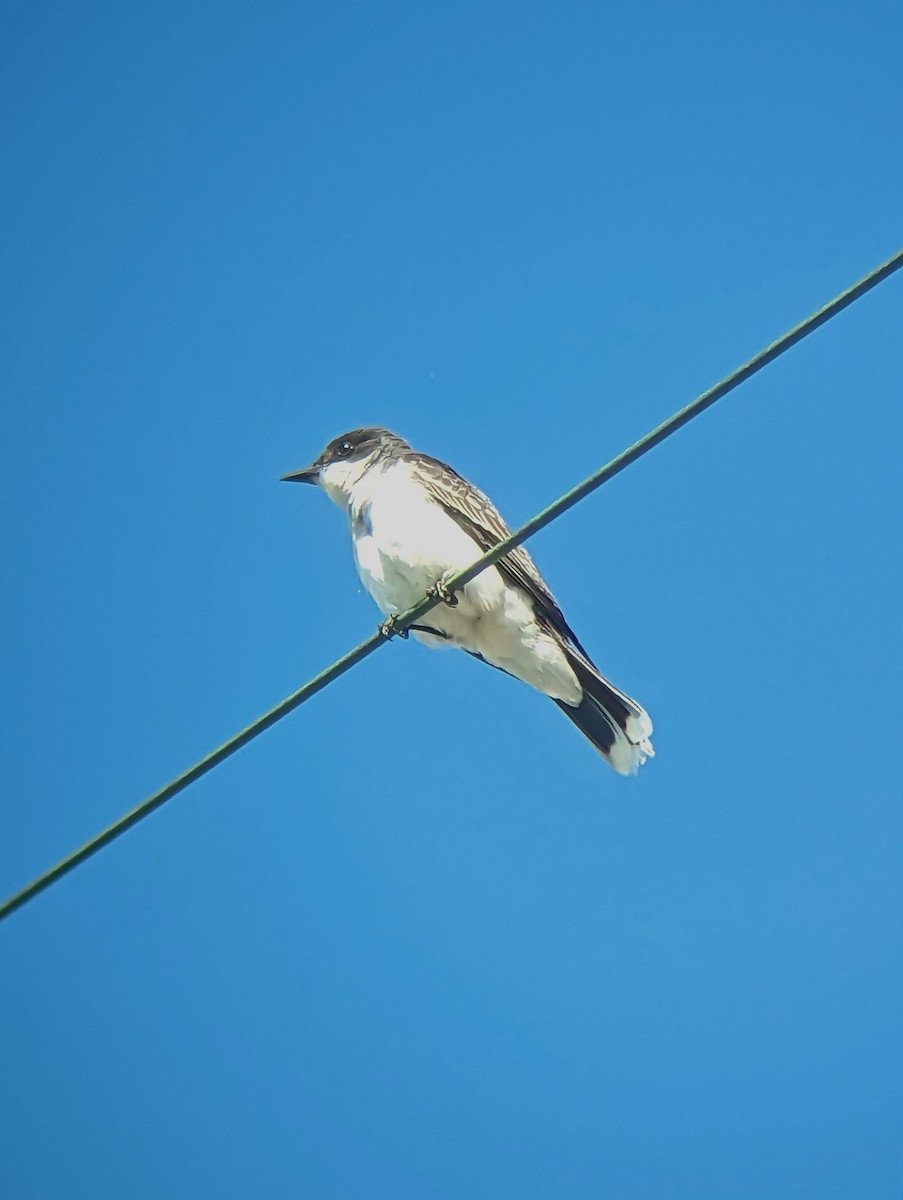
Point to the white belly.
(403, 544)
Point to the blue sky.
(418, 941)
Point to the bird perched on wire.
(415, 522)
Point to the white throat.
(348, 484)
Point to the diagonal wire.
(360, 652)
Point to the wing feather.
(478, 516)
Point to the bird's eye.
(344, 449)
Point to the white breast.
(404, 543)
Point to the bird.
(414, 523)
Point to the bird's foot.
(441, 591)
(388, 628)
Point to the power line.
(454, 583)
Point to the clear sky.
(418, 942)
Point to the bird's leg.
(388, 630)
(441, 592)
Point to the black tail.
(616, 725)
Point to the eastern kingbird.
(415, 521)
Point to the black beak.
(307, 475)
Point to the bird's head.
(345, 460)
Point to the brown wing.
(478, 516)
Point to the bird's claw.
(441, 591)
(388, 628)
